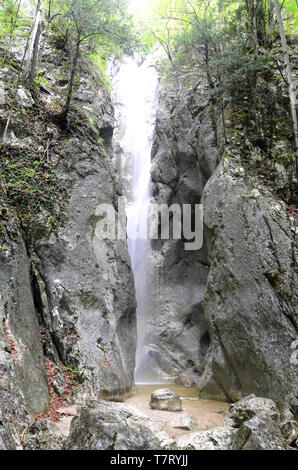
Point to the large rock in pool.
(166, 400)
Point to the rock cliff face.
(90, 306)
(65, 294)
(228, 312)
(251, 299)
(23, 383)
(184, 156)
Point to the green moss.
(235, 114)
(40, 79)
(32, 191)
(76, 377)
(90, 120)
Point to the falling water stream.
(135, 95)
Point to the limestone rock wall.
(23, 382)
(90, 291)
(184, 156)
(251, 298)
(65, 294)
(227, 314)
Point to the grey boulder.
(258, 422)
(166, 400)
(260, 433)
(24, 98)
(213, 439)
(251, 406)
(109, 428)
(184, 421)
(253, 423)
(289, 430)
(43, 435)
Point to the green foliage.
(99, 59)
(178, 22)
(13, 21)
(8, 13)
(291, 12)
(40, 79)
(96, 23)
(104, 23)
(238, 67)
(29, 187)
(76, 377)
(236, 42)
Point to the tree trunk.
(252, 16)
(64, 114)
(291, 81)
(49, 13)
(211, 85)
(255, 28)
(271, 19)
(34, 31)
(34, 57)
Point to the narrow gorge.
(133, 342)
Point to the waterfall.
(135, 96)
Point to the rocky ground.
(253, 423)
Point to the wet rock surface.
(229, 310)
(89, 283)
(227, 314)
(23, 383)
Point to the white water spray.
(135, 93)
